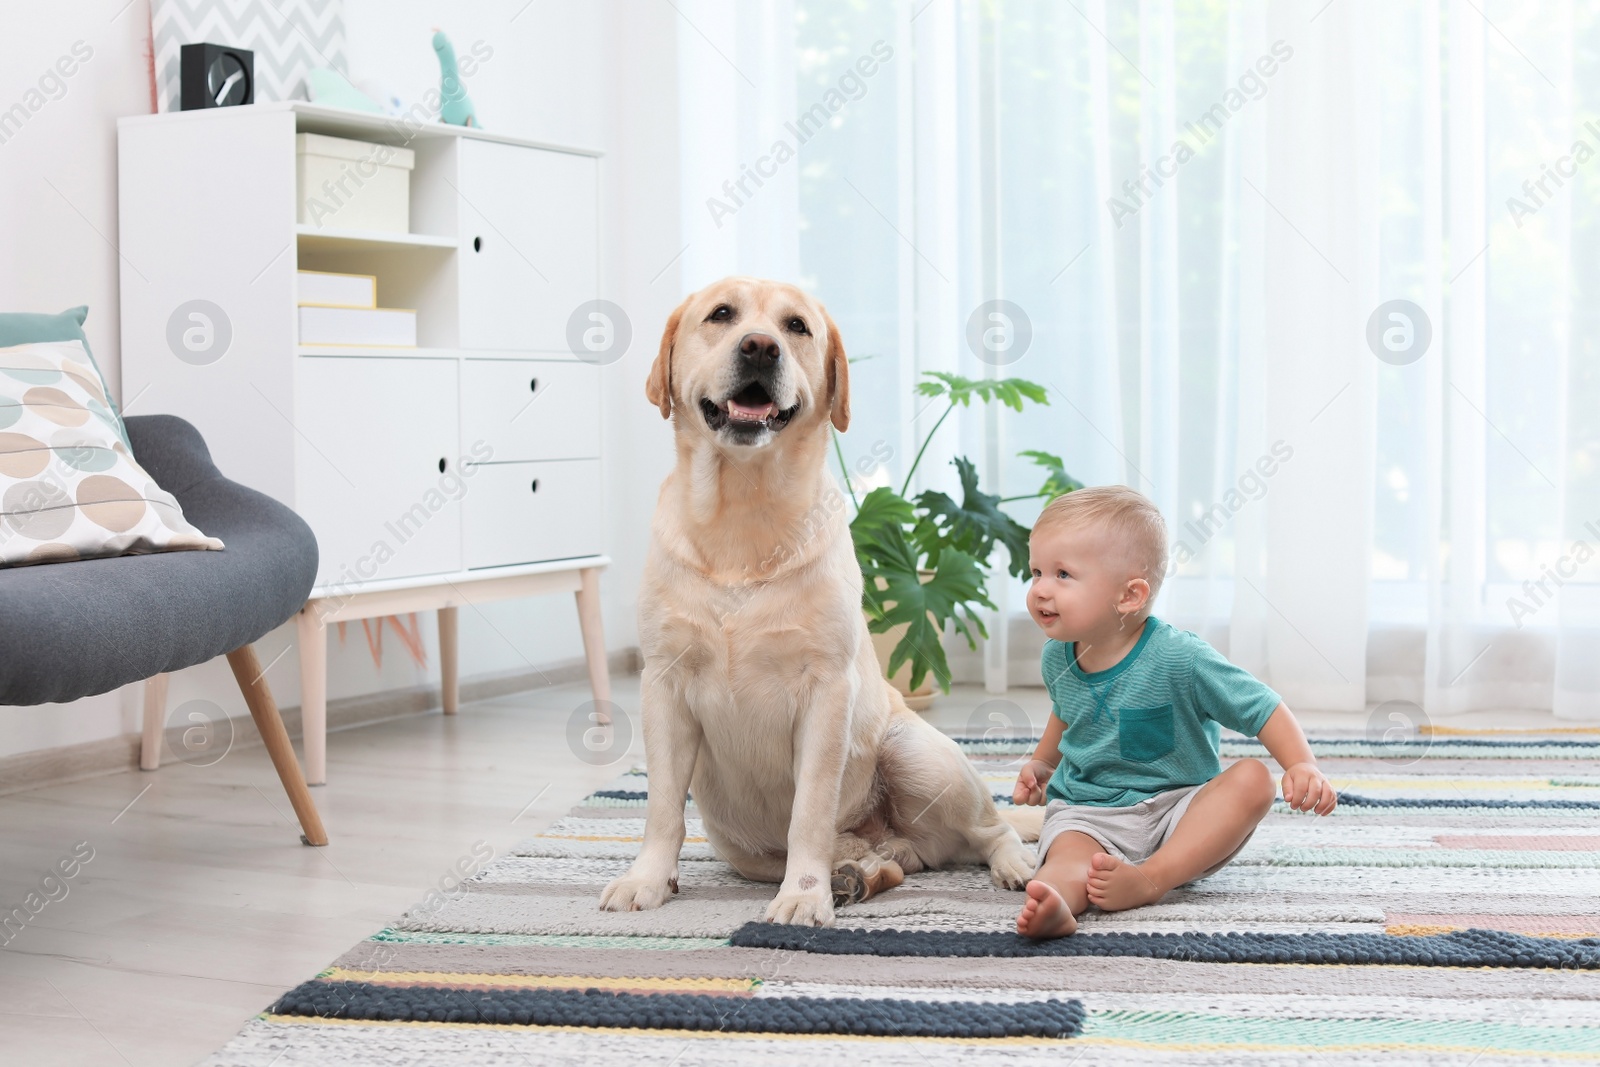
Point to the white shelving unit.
(472, 456)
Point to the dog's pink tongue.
(746, 413)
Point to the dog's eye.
(796, 325)
(720, 313)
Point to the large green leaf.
(881, 509)
(1057, 481)
(878, 532)
(1009, 391)
(973, 526)
(925, 607)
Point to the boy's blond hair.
(1127, 516)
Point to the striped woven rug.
(1447, 912)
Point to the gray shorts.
(1132, 833)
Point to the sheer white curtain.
(736, 90)
(1205, 211)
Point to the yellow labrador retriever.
(761, 692)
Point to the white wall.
(596, 74)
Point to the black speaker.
(215, 75)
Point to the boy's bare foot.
(1045, 914)
(1116, 885)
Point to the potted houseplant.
(923, 559)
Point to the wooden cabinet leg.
(264, 710)
(594, 640)
(313, 634)
(155, 715)
(449, 663)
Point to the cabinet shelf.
(313, 239)
(378, 351)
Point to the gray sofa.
(70, 630)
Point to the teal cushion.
(24, 328)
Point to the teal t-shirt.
(1151, 722)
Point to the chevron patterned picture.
(289, 38)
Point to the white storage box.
(318, 288)
(366, 327)
(342, 184)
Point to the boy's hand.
(1306, 788)
(1031, 781)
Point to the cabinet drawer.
(530, 512)
(531, 409)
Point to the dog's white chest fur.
(742, 648)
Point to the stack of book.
(342, 309)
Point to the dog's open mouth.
(751, 408)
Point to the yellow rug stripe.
(544, 981)
(1424, 929)
(1416, 929)
(1464, 731)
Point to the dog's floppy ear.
(838, 377)
(658, 387)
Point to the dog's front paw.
(1010, 868)
(637, 892)
(808, 906)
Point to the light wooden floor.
(201, 906)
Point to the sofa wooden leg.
(155, 716)
(264, 710)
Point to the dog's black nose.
(759, 350)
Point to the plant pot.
(884, 644)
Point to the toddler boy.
(1138, 802)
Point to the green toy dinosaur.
(455, 106)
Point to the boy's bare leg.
(1059, 889)
(1221, 815)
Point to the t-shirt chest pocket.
(1145, 734)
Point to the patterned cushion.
(26, 328)
(69, 487)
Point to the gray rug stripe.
(1080, 977)
(1180, 907)
(589, 895)
(573, 836)
(1240, 882)
(702, 912)
(492, 908)
(693, 913)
